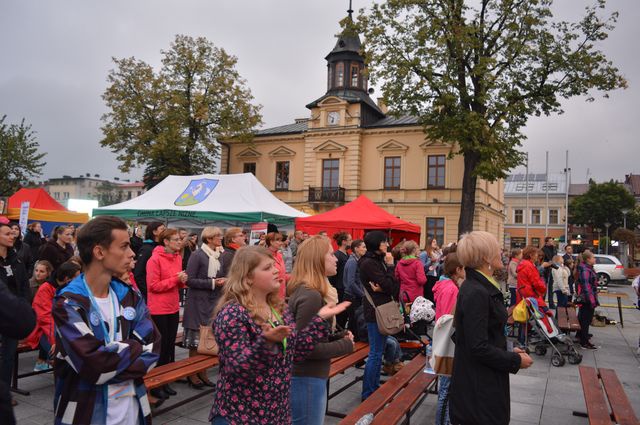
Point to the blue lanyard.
(112, 296)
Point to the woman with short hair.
(587, 290)
(233, 241)
(205, 287)
(479, 392)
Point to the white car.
(608, 268)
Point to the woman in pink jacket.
(410, 272)
(165, 278)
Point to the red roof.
(361, 213)
(39, 199)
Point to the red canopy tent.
(38, 198)
(44, 209)
(358, 217)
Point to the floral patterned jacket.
(254, 376)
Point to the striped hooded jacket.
(85, 366)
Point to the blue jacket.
(351, 278)
(85, 366)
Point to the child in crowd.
(410, 271)
(560, 275)
(41, 272)
(445, 293)
(43, 334)
(258, 342)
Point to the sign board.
(24, 216)
(257, 229)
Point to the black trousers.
(167, 325)
(341, 319)
(585, 316)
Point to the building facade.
(350, 146)
(536, 217)
(93, 187)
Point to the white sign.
(24, 216)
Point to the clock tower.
(346, 102)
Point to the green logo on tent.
(196, 192)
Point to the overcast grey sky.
(56, 56)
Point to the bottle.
(366, 419)
(428, 368)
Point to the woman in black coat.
(479, 391)
(378, 279)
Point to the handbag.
(207, 344)
(388, 316)
(443, 346)
(520, 313)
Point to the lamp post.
(607, 225)
(624, 212)
(599, 230)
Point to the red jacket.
(163, 284)
(410, 274)
(42, 304)
(283, 276)
(530, 284)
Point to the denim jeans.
(308, 400)
(219, 420)
(392, 351)
(512, 299)
(442, 410)
(371, 378)
(562, 298)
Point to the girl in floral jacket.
(258, 344)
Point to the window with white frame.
(518, 216)
(535, 216)
(553, 216)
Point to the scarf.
(331, 298)
(214, 263)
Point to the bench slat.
(376, 401)
(620, 405)
(573, 319)
(169, 367)
(172, 376)
(594, 397)
(345, 362)
(398, 408)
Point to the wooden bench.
(169, 373)
(605, 398)
(396, 397)
(23, 347)
(567, 319)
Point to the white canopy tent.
(229, 199)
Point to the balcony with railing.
(326, 194)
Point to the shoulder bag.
(388, 316)
(207, 344)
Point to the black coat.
(35, 241)
(373, 269)
(54, 253)
(479, 391)
(226, 258)
(140, 271)
(13, 273)
(17, 320)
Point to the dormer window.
(355, 71)
(340, 74)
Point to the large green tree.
(603, 203)
(20, 158)
(169, 120)
(474, 71)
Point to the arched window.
(340, 75)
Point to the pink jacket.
(410, 274)
(283, 277)
(163, 283)
(445, 294)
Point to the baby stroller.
(417, 317)
(548, 335)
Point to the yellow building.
(350, 146)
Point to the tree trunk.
(468, 203)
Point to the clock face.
(333, 118)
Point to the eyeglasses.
(175, 240)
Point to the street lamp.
(607, 225)
(624, 212)
(599, 230)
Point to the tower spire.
(350, 10)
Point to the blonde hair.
(208, 233)
(309, 269)
(237, 289)
(477, 248)
(231, 232)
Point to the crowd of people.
(102, 303)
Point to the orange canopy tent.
(43, 208)
(358, 217)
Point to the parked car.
(608, 268)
